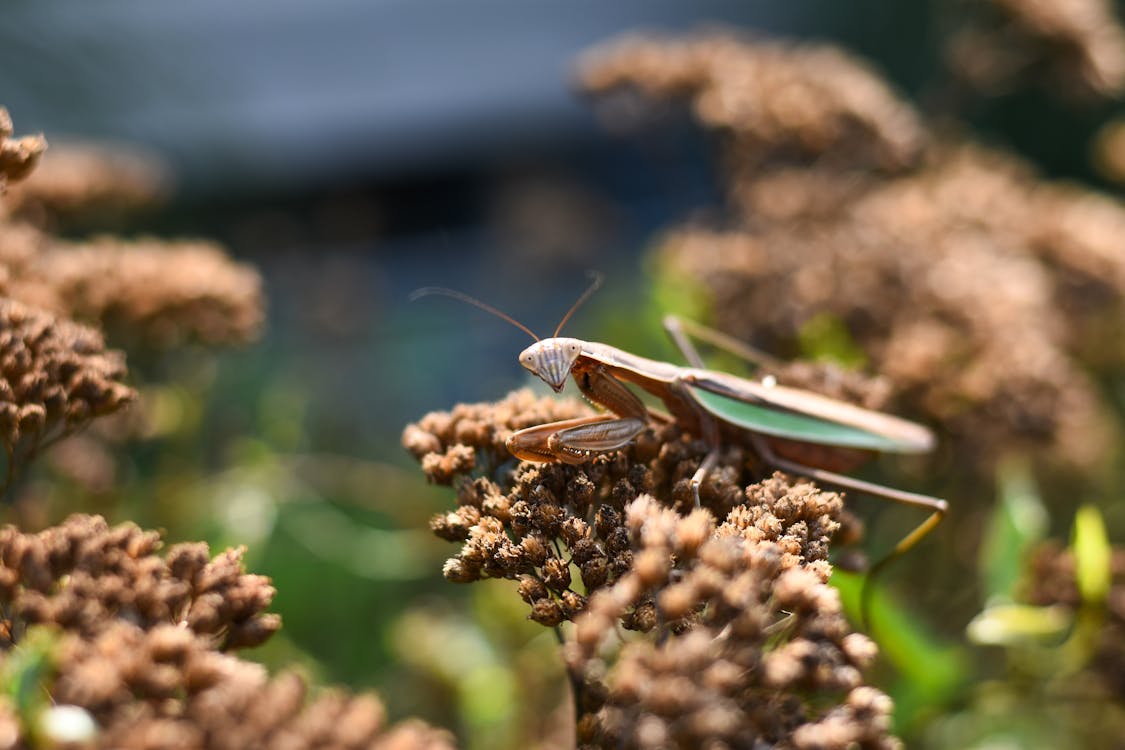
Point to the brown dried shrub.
(142, 641)
(87, 180)
(160, 293)
(971, 291)
(166, 687)
(83, 575)
(982, 293)
(148, 293)
(55, 376)
(1076, 46)
(740, 639)
(165, 292)
(758, 642)
(17, 156)
(774, 100)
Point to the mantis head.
(551, 360)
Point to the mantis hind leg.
(701, 473)
(681, 331)
(936, 506)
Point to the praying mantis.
(794, 430)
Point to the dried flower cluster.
(1051, 579)
(18, 156)
(141, 646)
(86, 180)
(750, 634)
(774, 100)
(55, 376)
(83, 575)
(168, 291)
(550, 515)
(740, 641)
(1076, 46)
(165, 688)
(968, 283)
(161, 293)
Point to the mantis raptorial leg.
(575, 441)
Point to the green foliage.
(1017, 522)
(1091, 555)
(930, 673)
(1017, 624)
(25, 671)
(825, 337)
(677, 293)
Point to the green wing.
(787, 424)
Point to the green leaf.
(1017, 522)
(1017, 624)
(934, 670)
(677, 293)
(825, 337)
(1091, 555)
(27, 668)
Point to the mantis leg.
(701, 473)
(936, 506)
(710, 429)
(679, 330)
(574, 441)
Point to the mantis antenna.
(594, 285)
(461, 296)
(428, 290)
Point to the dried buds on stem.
(1076, 46)
(737, 639)
(143, 644)
(981, 292)
(18, 156)
(55, 376)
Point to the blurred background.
(355, 151)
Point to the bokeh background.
(353, 152)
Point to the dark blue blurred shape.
(296, 93)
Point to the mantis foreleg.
(576, 441)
